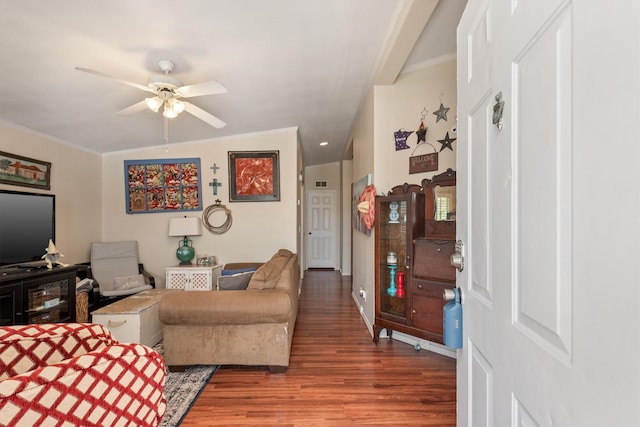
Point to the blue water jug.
(452, 320)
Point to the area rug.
(182, 389)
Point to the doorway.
(322, 229)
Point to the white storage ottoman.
(135, 318)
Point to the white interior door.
(321, 229)
(551, 280)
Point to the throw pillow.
(128, 282)
(266, 277)
(238, 281)
(239, 270)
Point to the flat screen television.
(27, 222)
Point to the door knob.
(457, 258)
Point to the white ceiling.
(285, 63)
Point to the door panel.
(542, 90)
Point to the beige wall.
(345, 208)
(75, 180)
(362, 267)
(90, 202)
(400, 107)
(259, 228)
(300, 220)
(329, 172)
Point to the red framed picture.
(254, 176)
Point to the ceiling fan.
(168, 93)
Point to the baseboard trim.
(417, 343)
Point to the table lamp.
(185, 227)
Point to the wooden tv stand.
(37, 295)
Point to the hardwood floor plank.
(337, 375)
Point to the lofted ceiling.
(285, 63)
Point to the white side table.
(192, 277)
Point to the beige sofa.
(235, 327)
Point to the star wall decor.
(446, 142)
(422, 133)
(400, 137)
(441, 113)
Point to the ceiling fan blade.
(98, 73)
(135, 108)
(199, 89)
(204, 116)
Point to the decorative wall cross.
(215, 184)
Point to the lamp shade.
(187, 226)
(154, 103)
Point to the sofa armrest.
(122, 384)
(225, 307)
(27, 347)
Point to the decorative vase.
(394, 215)
(391, 290)
(400, 292)
(185, 252)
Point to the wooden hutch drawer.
(427, 313)
(431, 259)
(430, 289)
(427, 304)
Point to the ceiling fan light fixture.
(154, 103)
(177, 106)
(169, 112)
(172, 107)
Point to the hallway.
(337, 375)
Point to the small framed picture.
(254, 176)
(25, 172)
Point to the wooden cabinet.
(192, 277)
(37, 296)
(424, 240)
(399, 218)
(432, 274)
(432, 270)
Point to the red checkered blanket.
(77, 374)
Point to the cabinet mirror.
(445, 200)
(440, 205)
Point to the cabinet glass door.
(392, 256)
(48, 302)
(9, 305)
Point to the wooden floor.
(337, 375)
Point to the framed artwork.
(356, 191)
(25, 172)
(165, 185)
(254, 176)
